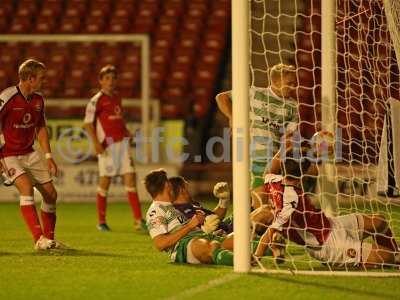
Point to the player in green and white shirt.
(182, 238)
(273, 113)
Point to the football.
(323, 143)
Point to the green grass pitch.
(122, 264)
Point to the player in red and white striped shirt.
(106, 126)
(22, 120)
(337, 240)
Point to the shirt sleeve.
(285, 210)
(90, 113)
(156, 223)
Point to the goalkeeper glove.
(222, 192)
(210, 223)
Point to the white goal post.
(147, 105)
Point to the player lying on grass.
(111, 139)
(183, 201)
(22, 120)
(182, 237)
(338, 240)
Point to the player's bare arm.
(98, 147)
(225, 105)
(43, 138)
(165, 241)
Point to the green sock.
(222, 257)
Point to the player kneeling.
(182, 237)
(338, 240)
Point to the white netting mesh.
(289, 33)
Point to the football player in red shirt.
(111, 139)
(334, 240)
(22, 120)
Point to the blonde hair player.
(111, 139)
(273, 112)
(22, 120)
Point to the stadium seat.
(131, 55)
(123, 9)
(119, 25)
(3, 25)
(75, 9)
(165, 41)
(6, 9)
(94, 24)
(37, 51)
(51, 9)
(26, 8)
(167, 26)
(45, 24)
(188, 41)
(70, 24)
(20, 25)
(214, 40)
(143, 25)
(173, 9)
(99, 9)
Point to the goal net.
(347, 83)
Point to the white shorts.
(116, 160)
(344, 245)
(34, 164)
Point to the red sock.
(32, 220)
(49, 223)
(135, 205)
(101, 208)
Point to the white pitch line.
(204, 287)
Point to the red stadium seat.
(160, 56)
(119, 25)
(20, 25)
(94, 24)
(192, 25)
(3, 25)
(214, 41)
(173, 10)
(148, 10)
(209, 56)
(70, 25)
(26, 8)
(167, 26)
(163, 41)
(6, 9)
(99, 9)
(37, 51)
(75, 9)
(45, 24)
(124, 10)
(184, 55)
(51, 9)
(131, 55)
(143, 25)
(197, 10)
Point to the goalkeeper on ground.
(182, 237)
(273, 113)
(338, 240)
(183, 201)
